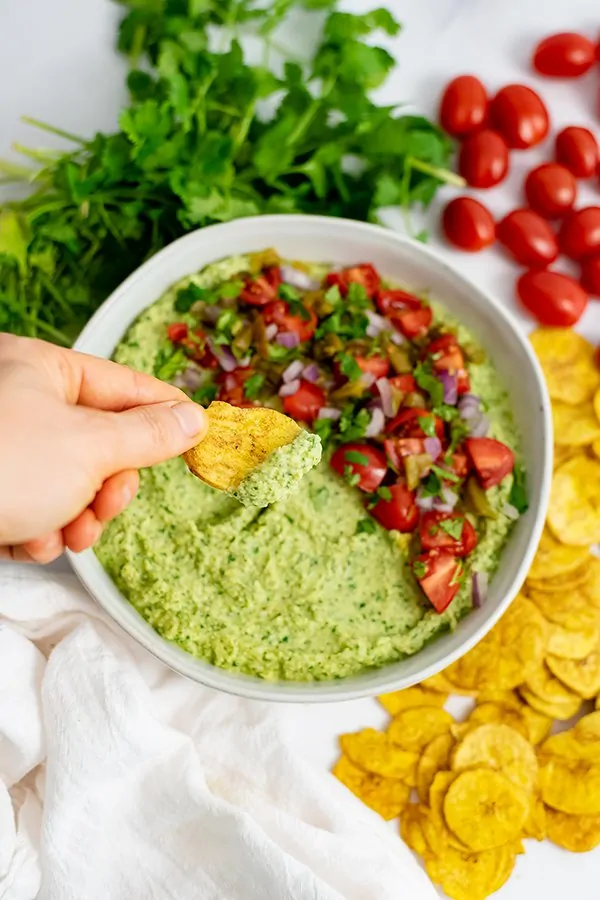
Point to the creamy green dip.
(281, 472)
(307, 588)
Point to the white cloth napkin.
(120, 780)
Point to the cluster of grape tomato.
(516, 118)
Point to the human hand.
(74, 430)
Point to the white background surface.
(57, 64)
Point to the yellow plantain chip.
(591, 586)
(538, 724)
(471, 876)
(562, 454)
(561, 583)
(570, 785)
(436, 831)
(507, 699)
(496, 714)
(574, 509)
(576, 426)
(373, 752)
(411, 828)
(484, 809)
(554, 710)
(596, 404)
(413, 728)
(596, 447)
(568, 608)
(501, 748)
(257, 455)
(502, 660)
(567, 746)
(575, 833)
(386, 796)
(442, 683)
(588, 728)
(567, 360)
(580, 675)
(414, 696)
(544, 685)
(572, 644)
(553, 558)
(536, 824)
(434, 758)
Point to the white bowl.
(343, 242)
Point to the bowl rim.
(124, 614)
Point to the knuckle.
(155, 424)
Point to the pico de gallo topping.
(387, 388)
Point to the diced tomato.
(434, 536)
(400, 513)
(278, 313)
(405, 383)
(406, 423)
(378, 366)
(460, 465)
(232, 386)
(263, 289)
(177, 331)
(305, 404)
(398, 448)
(446, 356)
(414, 323)
(371, 473)
(393, 303)
(492, 460)
(440, 582)
(365, 274)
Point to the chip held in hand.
(255, 454)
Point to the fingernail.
(191, 417)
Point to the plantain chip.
(413, 728)
(568, 609)
(538, 724)
(572, 644)
(591, 586)
(434, 758)
(569, 582)
(436, 831)
(544, 685)
(496, 714)
(386, 796)
(574, 509)
(503, 659)
(441, 683)
(411, 828)
(374, 752)
(570, 785)
(567, 361)
(471, 876)
(501, 748)
(414, 696)
(565, 744)
(536, 824)
(575, 426)
(575, 833)
(554, 710)
(596, 448)
(596, 404)
(587, 728)
(562, 454)
(580, 675)
(533, 725)
(484, 809)
(553, 558)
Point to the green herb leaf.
(384, 493)
(354, 456)
(287, 292)
(518, 491)
(169, 363)
(453, 527)
(205, 394)
(366, 526)
(427, 423)
(446, 474)
(349, 367)
(351, 477)
(187, 296)
(428, 382)
(419, 568)
(253, 385)
(324, 428)
(231, 290)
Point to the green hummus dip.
(281, 472)
(305, 589)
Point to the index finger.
(102, 384)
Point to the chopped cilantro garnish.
(231, 290)
(191, 294)
(366, 526)
(349, 367)
(459, 430)
(518, 491)
(357, 295)
(297, 308)
(353, 456)
(333, 295)
(427, 423)
(428, 382)
(453, 527)
(324, 428)
(457, 576)
(205, 394)
(351, 477)
(287, 292)
(253, 385)
(169, 363)
(277, 353)
(445, 473)
(419, 568)
(228, 325)
(432, 486)
(384, 493)
(353, 423)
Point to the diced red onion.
(293, 371)
(289, 389)
(387, 398)
(469, 406)
(510, 511)
(311, 373)
(376, 425)
(192, 378)
(433, 446)
(367, 379)
(288, 339)
(376, 325)
(224, 356)
(446, 503)
(298, 279)
(244, 362)
(397, 338)
(479, 427)
(329, 412)
(424, 503)
(271, 331)
(479, 583)
(450, 384)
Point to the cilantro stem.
(15, 172)
(444, 175)
(51, 129)
(53, 333)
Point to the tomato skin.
(394, 303)
(232, 387)
(397, 448)
(379, 366)
(519, 114)
(305, 404)
(464, 106)
(551, 190)
(406, 423)
(263, 289)
(580, 233)
(441, 571)
(564, 55)
(577, 150)
(278, 313)
(483, 159)
(468, 224)
(461, 464)
(371, 474)
(528, 238)
(364, 274)
(434, 537)
(414, 323)
(401, 513)
(448, 357)
(405, 383)
(552, 298)
(590, 275)
(492, 460)
(177, 331)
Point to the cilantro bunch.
(209, 136)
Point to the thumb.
(146, 435)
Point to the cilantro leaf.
(444, 473)
(349, 367)
(287, 292)
(231, 290)
(169, 363)
(188, 296)
(518, 491)
(253, 385)
(366, 526)
(205, 394)
(419, 568)
(428, 382)
(427, 423)
(350, 477)
(453, 527)
(324, 428)
(354, 456)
